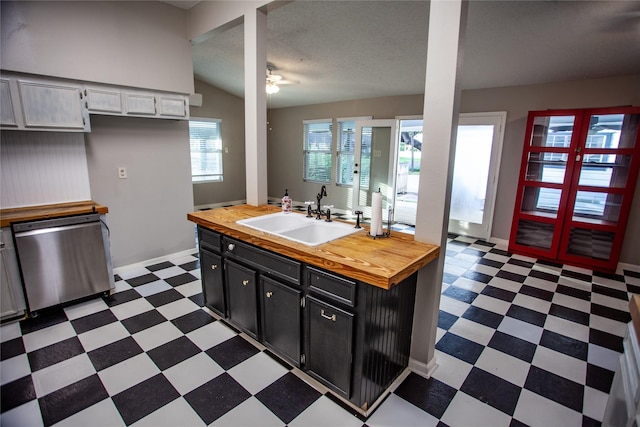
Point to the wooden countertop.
(32, 213)
(382, 262)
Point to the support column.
(447, 25)
(255, 106)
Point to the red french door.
(578, 173)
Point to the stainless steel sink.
(298, 228)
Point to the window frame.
(218, 151)
(306, 152)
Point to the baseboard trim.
(423, 369)
(219, 205)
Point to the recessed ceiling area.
(344, 50)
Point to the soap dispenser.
(286, 202)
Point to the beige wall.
(284, 142)
(218, 104)
(285, 138)
(147, 211)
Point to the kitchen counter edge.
(34, 213)
(380, 262)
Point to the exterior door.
(475, 173)
(374, 164)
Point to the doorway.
(475, 175)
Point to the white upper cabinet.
(7, 112)
(103, 100)
(51, 106)
(42, 104)
(109, 100)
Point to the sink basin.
(299, 228)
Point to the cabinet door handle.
(245, 282)
(231, 246)
(214, 266)
(268, 294)
(326, 316)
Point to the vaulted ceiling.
(341, 50)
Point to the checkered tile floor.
(520, 342)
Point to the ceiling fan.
(274, 80)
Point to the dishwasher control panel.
(55, 222)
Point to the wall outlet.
(122, 172)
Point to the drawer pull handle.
(214, 266)
(332, 317)
(269, 294)
(231, 246)
(245, 282)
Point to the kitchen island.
(341, 311)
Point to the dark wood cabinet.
(577, 179)
(212, 270)
(281, 308)
(329, 345)
(353, 337)
(211, 267)
(241, 297)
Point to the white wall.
(40, 168)
(147, 210)
(139, 44)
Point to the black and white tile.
(520, 342)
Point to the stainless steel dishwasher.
(62, 259)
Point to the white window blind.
(205, 140)
(317, 150)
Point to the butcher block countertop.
(32, 213)
(382, 262)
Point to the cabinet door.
(140, 103)
(213, 282)
(242, 297)
(329, 344)
(602, 188)
(281, 318)
(53, 106)
(104, 100)
(548, 159)
(7, 111)
(11, 295)
(173, 106)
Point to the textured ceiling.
(341, 50)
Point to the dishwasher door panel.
(61, 264)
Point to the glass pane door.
(475, 173)
(545, 177)
(600, 194)
(374, 164)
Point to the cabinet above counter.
(382, 262)
(40, 103)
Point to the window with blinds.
(317, 150)
(205, 140)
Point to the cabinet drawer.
(331, 286)
(209, 239)
(265, 261)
